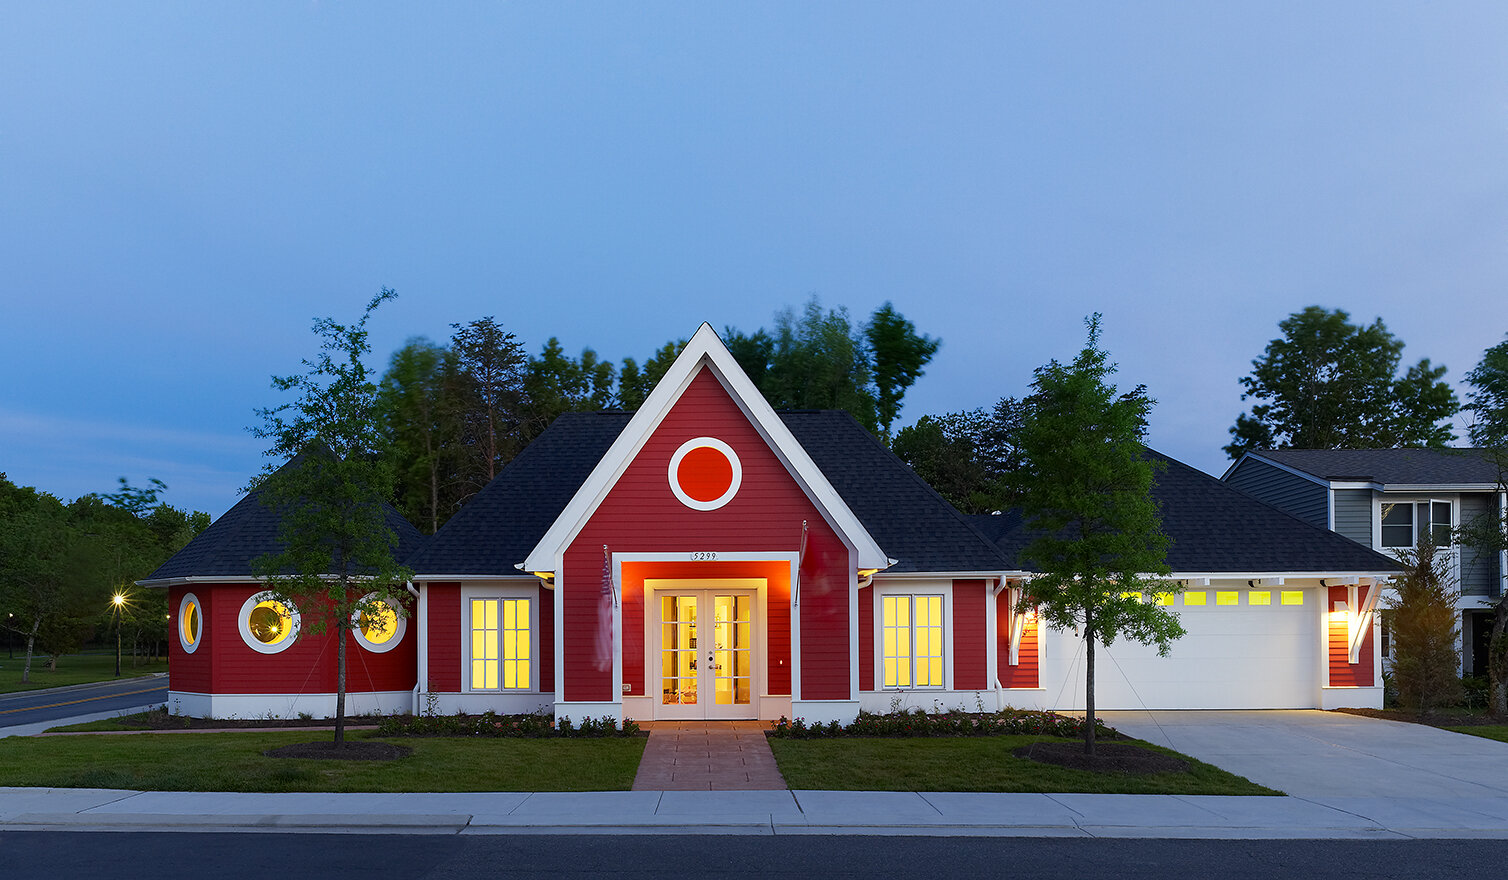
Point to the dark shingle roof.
(248, 530)
(905, 516)
(503, 522)
(1402, 466)
(499, 527)
(1216, 528)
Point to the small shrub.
(531, 725)
(919, 722)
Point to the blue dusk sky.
(185, 186)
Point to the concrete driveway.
(1313, 754)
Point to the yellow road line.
(84, 700)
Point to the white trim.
(674, 478)
(579, 712)
(1371, 485)
(400, 627)
(470, 593)
(949, 575)
(1280, 466)
(823, 711)
(945, 592)
(181, 581)
(759, 680)
(243, 623)
(187, 646)
(423, 646)
(704, 350)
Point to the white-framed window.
(379, 629)
(502, 641)
(1405, 520)
(190, 623)
(912, 653)
(268, 625)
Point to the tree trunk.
(31, 644)
(1497, 661)
(1089, 686)
(340, 684)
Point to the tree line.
(62, 562)
(454, 414)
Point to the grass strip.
(980, 763)
(1498, 732)
(72, 669)
(234, 762)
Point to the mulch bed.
(1432, 719)
(1108, 758)
(164, 721)
(350, 750)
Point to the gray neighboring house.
(1383, 498)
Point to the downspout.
(423, 627)
(1503, 554)
(994, 652)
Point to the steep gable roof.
(1407, 467)
(1216, 528)
(496, 531)
(704, 351)
(248, 530)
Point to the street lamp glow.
(118, 599)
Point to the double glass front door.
(706, 654)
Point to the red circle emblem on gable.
(705, 474)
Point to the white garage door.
(1244, 655)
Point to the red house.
(708, 557)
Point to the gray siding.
(1353, 514)
(1303, 498)
(1478, 571)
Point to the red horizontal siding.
(1024, 673)
(970, 635)
(444, 613)
(1344, 673)
(191, 673)
(867, 658)
(641, 514)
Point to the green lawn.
(982, 763)
(72, 669)
(1498, 732)
(234, 762)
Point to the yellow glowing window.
(502, 642)
(379, 624)
(1194, 598)
(1227, 597)
(1131, 594)
(1259, 597)
(1165, 598)
(911, 641)
(190, 622)
(270, 622)
(1293, 597)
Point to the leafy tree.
(337, 564)
(1330, 384)
(421, 427)
(42, 569)
(966, 456)
(819, 361)
(899, 355)
(753, 351)
(1085, 492)
(1426, 664)
(489, 400)
(1488, 399)
(1488, 533)
(558, 383)
(635, 383)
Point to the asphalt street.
(124, 856)
(31, 707)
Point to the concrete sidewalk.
(761, 812)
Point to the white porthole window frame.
(710, 443)
(189, 600)
(400, 627)
(243, 623)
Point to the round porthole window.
(379, 629)
(190, 623)
(267, 625)
(705, 473)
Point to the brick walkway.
(707, 756)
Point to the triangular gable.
(705, 350)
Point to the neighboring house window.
(1404, 521)
(911, 638)
(502, 644)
